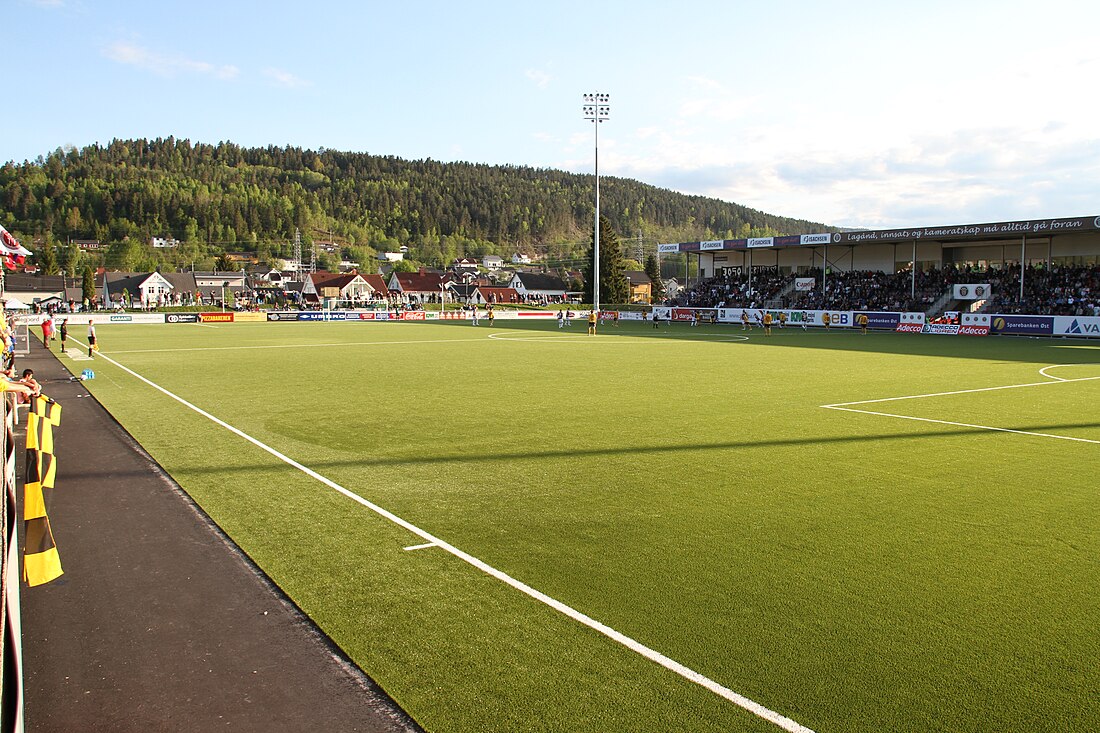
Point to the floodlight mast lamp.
(597, 109)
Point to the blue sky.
(852, 113)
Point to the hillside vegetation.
(217, 198)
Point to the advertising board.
(216, 317)
(1077, 326)
(1017, 325)
(182, 318)
(134, 318)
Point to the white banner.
(815, 239)
(761, 242)
(716, 244)
(662, 248)
(972, 292)
(804, 284)
(1077, 326)
(975, 319)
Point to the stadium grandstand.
(1042, 267)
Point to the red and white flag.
(11, 251)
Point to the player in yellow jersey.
(592, 316)
(768, 323)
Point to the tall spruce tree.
(88, 284)
(653, 269)
(614, 289)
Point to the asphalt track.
(160, 623)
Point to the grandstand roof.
(954, 233)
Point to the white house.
(148, 289)
(520, 259)
(537, 285)
(492, 262)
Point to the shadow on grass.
(511, 456)
(1039, 350)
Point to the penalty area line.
(1053, 380)
(963, 424)
(652, 655)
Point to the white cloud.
(285, 78)
(541, 78)
(955, 176)
(166, 65)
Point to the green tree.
(47, 258)
(224, 264)
(69, 257)
(88, 285)
(653, 269)
(614, 288)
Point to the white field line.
(964, 424)
(838, 405)
(424, 546)
(1043, 371)
(654, 656)
(845, 406)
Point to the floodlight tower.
(597, 108)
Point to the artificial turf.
(853, 572)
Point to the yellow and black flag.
(41, 563)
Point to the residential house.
(491, 296)
(136, 289)
(464, 265)
(242, 258)
(377, 284)
(641, 286)
(211, 287)
(35, 288)
(461, 292)
(347, 286)
(538, 286)
(164, 242)
(416, 287)
(492, 262)
(520, 259)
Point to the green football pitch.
(686, 529)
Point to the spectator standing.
(47, 331)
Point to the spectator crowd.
(1071, 290)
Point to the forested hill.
(222, 197)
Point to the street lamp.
(597, 109)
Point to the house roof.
(332, 279)
(499, 295)
(540, 281)
(637, 277)
(32, 283)
(377, 283)
(130, 282)
(180, 281)
(461, 290)
(416, 282)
